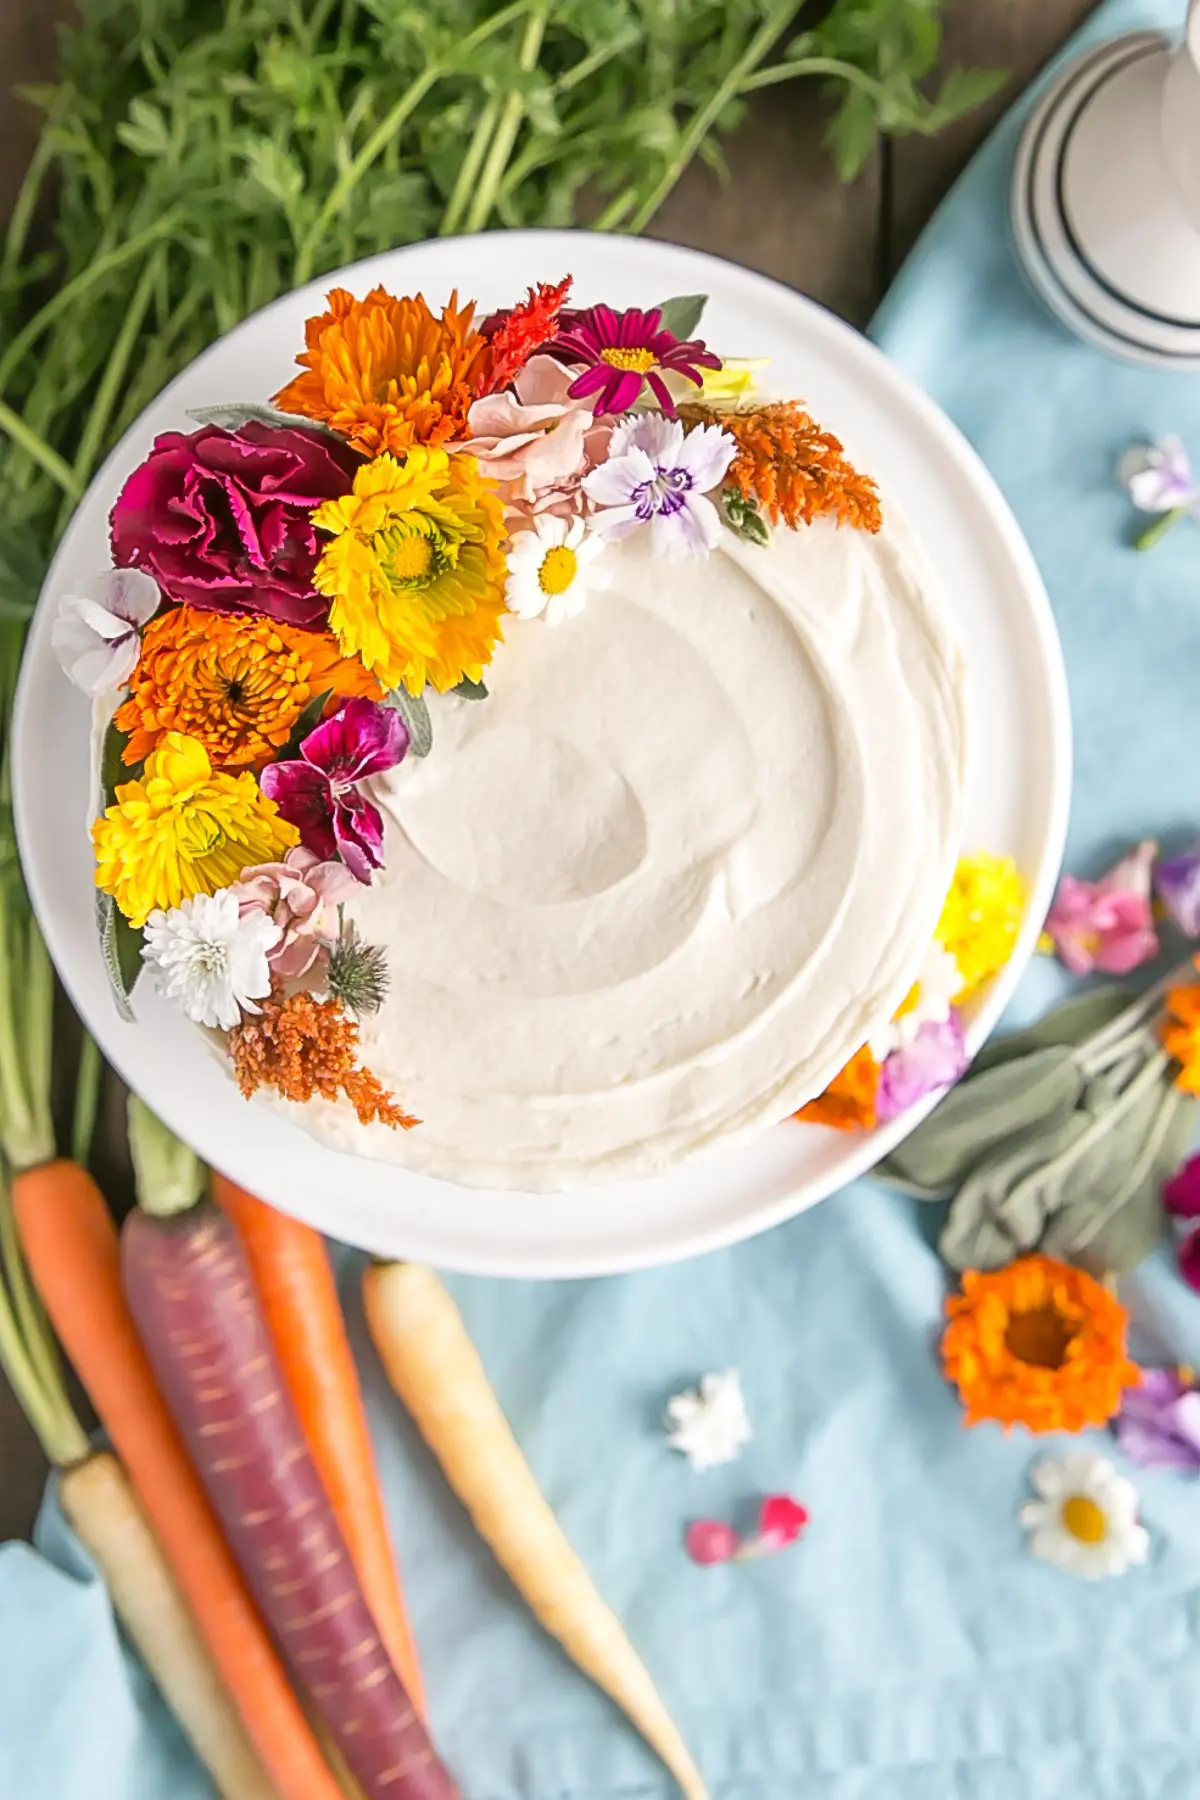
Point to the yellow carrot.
(435, 1369)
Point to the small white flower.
(929, 1002)
(1159, 477)
(659, 476)
(552, 569)
(709, 1425)
(1086, 1520)
(97, 634)
(210, 961)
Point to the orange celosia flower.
(848, 1103)
(236, 682)
(1038, 1343)
(302, 1046)
(1181, 1035)
(791, 469)
(386, 373)
(531, 323)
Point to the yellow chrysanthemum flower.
(183, 830)
(415, 572)
(982, 916)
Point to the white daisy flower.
(552, 569)
(211, 960)
(97, 633)
(709, 1424)
(930, 1001)
(1086, 1520)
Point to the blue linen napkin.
(908, 1648)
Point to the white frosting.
(654, 892)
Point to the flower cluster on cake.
(293, 581)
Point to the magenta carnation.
(223, 519)
(318, 791)
(624, 349)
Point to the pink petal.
(1181, 1195)
(1189, 1260)
(1119, 955)
(591, 381)
(781, 1520)
(709, 1541)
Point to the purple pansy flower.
(1177, 881)
(1158, 1426)
(319, 793)
(624, 349)
(935, 1059)
(657, 475)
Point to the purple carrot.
(190, 1291)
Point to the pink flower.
(780, 1522)
(935, 1059)
(223, 519)
(302, 895)
(537, 443)
(1181, 1194)
(709, 1541)
(319, 792)
(623, 350)
(1106, 924)
(1189, 1260)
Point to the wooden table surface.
(783, 211)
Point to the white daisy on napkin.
(1086, 1520)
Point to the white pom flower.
(97, 634)
(1086, 1520)
(209, 960)
(552, 569)
(930, 1001)
(709, 1424)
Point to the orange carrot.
(299, 1298)
(71, 1245)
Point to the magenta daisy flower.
(624, 349)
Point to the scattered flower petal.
(1181, 1194)
(709, 1424)
(1158, 477)
(1086, 1519)
(780, 1522)
(1158, 1426)
(96, 633)
(213, 961)
(1189, 1260)
(934, 1059)
(1177, 882)
(1106, 924)
(708, 1541)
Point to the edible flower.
(300, 896)
(236, 682)
(183, 829)
(213, 960)
(734, 382)
(709, 1424)
(1085, 1519)
(1181, 1036)
(789, 468)
(536, 443)
(95, 634)
(1159, 480)
(319, 792)
(928, 1002)
(1039, 1343)
(982, 917)
(1106, 924)
(658, 475)
(780, 1522)
(848, 1103)
(623, 350)
(386, 373)
(1177, 883)
(934, 1059)
(513, 336)
(1158, 1426)
(552, 569)
(1181, 1194)
(301, 1047)
(415, 571)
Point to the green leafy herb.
(236, 413)
(121, 947)
(681, 315)
(415, 713)
(470, 690)
(742, 515)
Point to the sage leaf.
(743, 517)
(112, 767)
(231, 415)
(681, 315)
(1112, 1223)
(985, 1228)
(121, 948)
(415, 713)
(470, 690)
(1071, 1023)
(1035, 1092)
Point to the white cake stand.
(1016, 801)
(1106, 197)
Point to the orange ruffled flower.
(1039, 1344)
(1181, 1036)
(386, 373)
(789, 468)
(301, 1046)
(848, 1103)
(235, 682)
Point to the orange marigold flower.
(236, 682)
(848, 1103)
(1181, 1036)
(387, 373)
(301, 1046)
(789, 467)
(1038, 1343)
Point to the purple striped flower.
(657, 476)
(623, 350)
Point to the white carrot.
(100, 1504)
(435, 1369)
